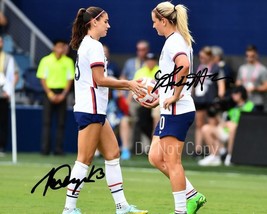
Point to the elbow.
(98, 82)
(186, 68)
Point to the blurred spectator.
(135, 63)
(145, 119)
(3, 23)
(218, 58)
(253, 76)
(56, 72)
(217, 132)
(8, 79)
(118, 110)
(128, 72)
(120, 114)
(113, 69)
(8, 40)
(205, 96)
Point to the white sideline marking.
(137, 169)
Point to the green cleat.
(193, 204)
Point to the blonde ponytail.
(177, 15)
(182, 23)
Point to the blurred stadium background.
(34, 24)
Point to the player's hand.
(137, 88)
(170, 100)
(151, 105)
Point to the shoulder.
(47, 57)
(249, 106)
(263, 68)
(130, 61)
(176, 39)
(90, 43)
(242, 67)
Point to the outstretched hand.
(137, 88)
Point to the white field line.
(135, 169)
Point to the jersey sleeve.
(176, 48)
(96, 55)
(42, 70)
(264, 75)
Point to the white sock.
(180, 201)
(190, 190)
(115, 184)
(79, 171)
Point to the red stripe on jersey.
(112, 185)
(95, 64)
(95, 85)
(174, 108)
(93, 100)
(178, 54)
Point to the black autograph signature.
(192, 79)
(55, 184)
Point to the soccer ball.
(149, 97)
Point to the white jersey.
(174, 46)
(89, 97)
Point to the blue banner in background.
(230, 24)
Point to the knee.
(205, 129)
(154, 160)
(112, 155)
(87, 160)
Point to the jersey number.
(77, 71)
(162, 123)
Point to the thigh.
(88, 140)
(108, 145)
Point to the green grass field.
(229, 190)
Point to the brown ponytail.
(82, 24)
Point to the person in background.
(56, 73)
(118, 110)
(146, 118)
(206, 95)
(3, 23)
(219, 132)
(129, 121)
(8, 79)
(135, 63)
(253, 76)
(218, 58)
(113, 70)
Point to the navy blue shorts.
(85, 119)
(174, 125)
